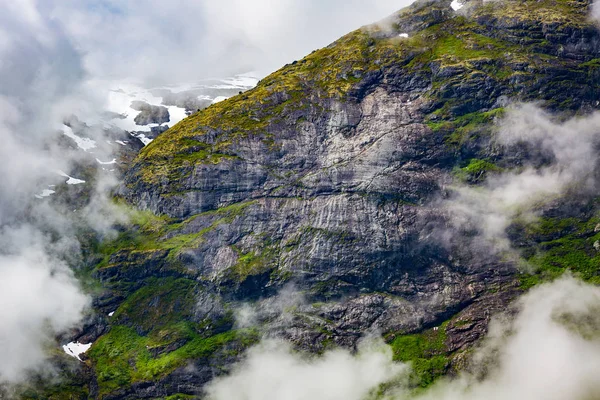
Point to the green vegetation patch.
(466, 127)
(475, 171)
(426, 352)
(159, 303)
(153, 333)
(149, 232)
(122, 357)
(180, 396)
(69, 389)
(254, 262)
(565, 244)
(456, 42)
(571, 12)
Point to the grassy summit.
(440, 40)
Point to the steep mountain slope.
(326, 178)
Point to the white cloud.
(183, 41)
(550, 350)
(273, 370)
(41, 82)
(39, 297)
(570, 150)
(538, 356)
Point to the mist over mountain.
(408, 210)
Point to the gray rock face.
(150, 114)
(378, 146)
(338, 206)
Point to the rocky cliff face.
(326, 178)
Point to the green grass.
(122, 357)
(461, 129)
(152, 334)
(593, 63)
(148, 232)
(254, 262)
(453, 49)
(563, 244)
(67, 390)
(574, 13)
(160, 302)
(426, 352)
(476, 171)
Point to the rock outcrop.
(150, 114)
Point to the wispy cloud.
(549, 350)
(561, 156)
(273, 370)
(41, 83)
(185, 41)
(39, 297)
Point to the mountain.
(319, 197)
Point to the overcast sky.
(183, 40)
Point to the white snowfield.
(456, 5)
(176, 114)
(123, 94)
(45, 193)
(75, 349)
(85, 144)
(121, 115)
(242, 81)
(403, 35)
(71, 180)
(119, 102)
(143, 138)
(113, 161)
(219, 99)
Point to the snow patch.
(403, 35)
(110, 314)
(85, 144)
(242, 81)
(143, 138)
(456, 5)
(119, 102)
(75, 349)
(74, 181)
(113, 161)
(45, 193)
(219, 99)
(71, 180)
(176, 114)
(122, 94)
